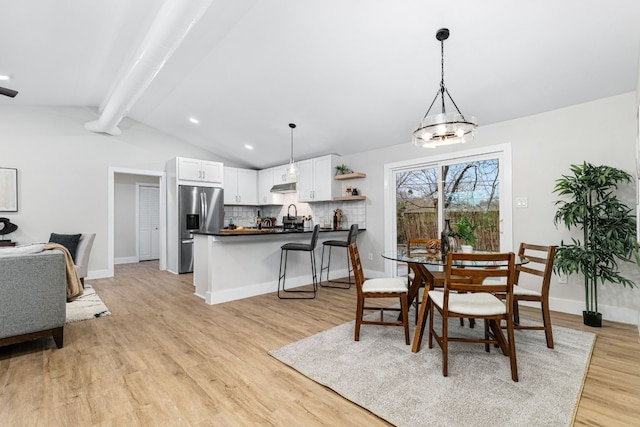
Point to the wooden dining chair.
(421, 247)
(540, 265)
(476, 300)
(391, 287)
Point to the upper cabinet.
(240, 186)
(280, 175)
(199, 170)
(266, 181)
(315, 179)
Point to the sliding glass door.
(428, 192)
(472, 188)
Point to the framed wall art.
(8, 190)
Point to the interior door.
(148, 223)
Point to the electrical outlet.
(370, 256)
(562, 278)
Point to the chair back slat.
(540, 263)
(461, 265)
(356, 264)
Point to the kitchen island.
(235, 264)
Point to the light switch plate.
(522, 202)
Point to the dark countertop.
(269, 231)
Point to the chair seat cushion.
(473, 304)
(296, 247)
(342, 243)
(387, 284)
(518, 290)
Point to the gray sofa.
(33, 297)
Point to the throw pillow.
(69, 241)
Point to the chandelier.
(292, 170)
(444, 128)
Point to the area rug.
(381, 374)
(87, 306)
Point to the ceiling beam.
(172, 24)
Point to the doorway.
(115, 216)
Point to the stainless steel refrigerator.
(200, 209)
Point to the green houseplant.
(608, 230)
(342, 169)
(465, 230)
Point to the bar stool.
(305, 247)
(351, 238)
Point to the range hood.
(289, 187)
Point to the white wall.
(63, 170)
(543, 146)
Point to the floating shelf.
(346, 198)
(353, 175)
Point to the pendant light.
(292, 170)
(444, 128)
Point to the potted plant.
(608, 231)
(465, 230)
(342, 169)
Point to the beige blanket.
(74, 286)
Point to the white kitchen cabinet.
(240, 186)
(315, 179)
(265, 183)
(199, 170)
(280, 175)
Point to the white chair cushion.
(387, 284)
(473, 304)
(517, 290)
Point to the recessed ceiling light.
(3, 77)
(194, 120)
(248, 147)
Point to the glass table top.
(435, 258)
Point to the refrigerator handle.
(203, 210)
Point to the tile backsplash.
(353, 212)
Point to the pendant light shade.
(444, 128)
(292, 170)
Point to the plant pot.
(466, 249)
(591, 318)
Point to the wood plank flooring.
(164, 357)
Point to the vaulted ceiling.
(352, 74)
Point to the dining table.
(429, 269)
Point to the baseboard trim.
(125, 260)
(98, 274)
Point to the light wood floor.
(164, 357)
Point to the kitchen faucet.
(295, 211)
